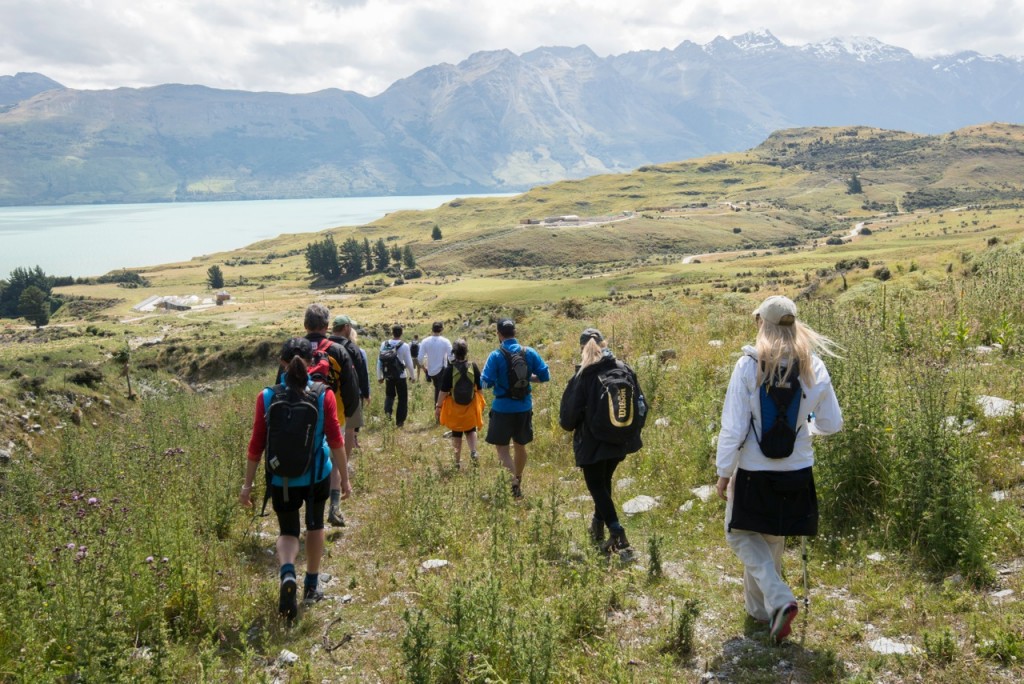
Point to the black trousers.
(397, 389)
(435, 380)
(598, 477)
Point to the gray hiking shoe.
(286, 604)
(335, 517)
(312, 596)
(618, 544)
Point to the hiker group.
(780, 394)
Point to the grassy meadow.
(126, 556)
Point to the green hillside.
(127, 557)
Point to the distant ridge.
(496, 121)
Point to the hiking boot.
(286, 604)
(312, 596)
(782, 622)
(517, 490)
(474, 458)
(458, 465)
(617, 543)
(597, 531)
(335, 517)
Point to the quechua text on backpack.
(518, 373)
(391, 365)
(779, 397)
(463, 382)
(294, 420)
(619, 410)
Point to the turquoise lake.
(89, 240)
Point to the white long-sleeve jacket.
(737, 445)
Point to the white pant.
(764, 592)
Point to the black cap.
(297, 346)
(590, 334)
(507, 327)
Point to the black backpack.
(390, 363)
(463, 382)
(518, 373)
(618, 411)
(293, 419)
(780, 411)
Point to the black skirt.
(782, 503)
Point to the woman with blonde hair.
(601, 440)
(779, 396)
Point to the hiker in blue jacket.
(511, 416)
(769, 492)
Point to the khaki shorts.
(356, 419)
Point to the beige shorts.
(356, 419)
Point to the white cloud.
(365, 45)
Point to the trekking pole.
(807, 590)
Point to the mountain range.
(494, 122)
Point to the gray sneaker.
(312, 596)
(335, 517)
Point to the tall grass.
(126, 557)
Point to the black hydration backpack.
(293, 421)
(390, 363)
(619, 411)
(518, 373)
(463, 382)
(780, 411)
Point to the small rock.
(999, 496)
(624, 483)
(662, 422)
(1001, 596)
(5, 456)
(983, 349)
(955, 424)
(688, 506)
(286, 657)
(639, 504)
(347, 598)
(433, 564)
(876, 557)
(666, 354)
(887, 646)
(995, 407)
(715, 343)
(704, 492)
(573, 515)
(142, 653)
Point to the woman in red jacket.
(312, 487)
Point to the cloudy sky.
(302, 46)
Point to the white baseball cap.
(777, 310)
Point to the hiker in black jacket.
(598, 457)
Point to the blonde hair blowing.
(591, 354)
(776, 343)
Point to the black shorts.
(288, 511)
(503, 428)
(456, 433)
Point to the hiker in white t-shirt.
(435, 353)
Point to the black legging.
(598, 477)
